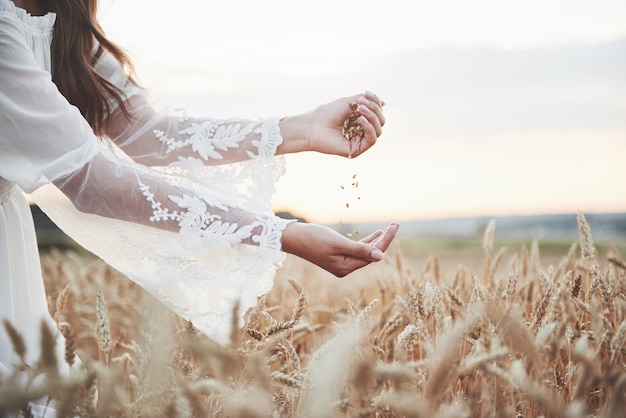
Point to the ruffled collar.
(43, 23)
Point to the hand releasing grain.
(352, 129)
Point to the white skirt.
(22, 294)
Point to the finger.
(371, 237)
(374, 97)
(375, 106)
(386, 237)
(373, 112)
(366, 252)
(372, 118)
(369, 137)
(384, 240)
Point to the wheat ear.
(104, 327)
(19, 347)
(70, 342)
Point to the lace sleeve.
(187, 177)
(234, 158)
(156, 135)
(112, 187)
(197, 253)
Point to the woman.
(180, 205)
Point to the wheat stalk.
(103, 327)
(287, 380)
(587, 247)
(19, 347)
(234, 327)
(70, 342)
(48, 361)
(617, 343)
(62, 301)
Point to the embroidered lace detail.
(207, 137)
(196, 221)
(271, 236)
(210, 138)
(270, 138)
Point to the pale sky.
(493, 107)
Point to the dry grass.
(516, 338)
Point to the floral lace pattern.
(196, 221)
(212, 138)
(270, 138)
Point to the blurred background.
(493, 108)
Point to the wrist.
(295, 131)
(290, 239)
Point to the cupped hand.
(320, 130)
(334, 252)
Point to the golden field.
(491, 331)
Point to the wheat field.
(507, 334)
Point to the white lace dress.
(180, 205)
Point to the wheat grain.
(280, 327)
(455, 299)
(459, 278)
(367, 312)
(48, 361)
(104, 326)
(287, 380)
(542, 307)
(393, 324)
(234, 327)
(600, 287)
(255, 334)
(511, 293)
(576, 286)
(16, 339)
(61, 301)
(587, 247)
(300, 306)
(488, 237)
(70, 342)
(617, 343)
(436, 268)
(405, 346)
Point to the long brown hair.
(73, 59)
